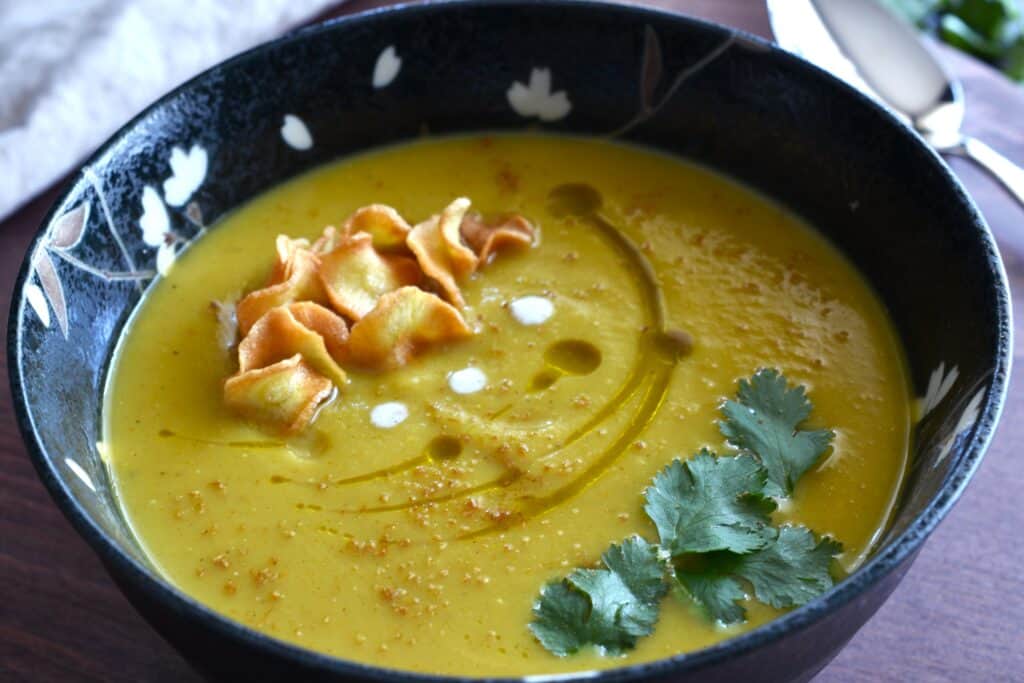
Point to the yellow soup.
(421, 545)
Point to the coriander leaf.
(617, 617)
(711, 503)
(637, 563)
(764, 422)
(956, 32)
(609, 608)
(990, 18)
(717, 593)
(1014, 64)
(560, 618)
(791, 570)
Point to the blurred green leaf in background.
(992, 30)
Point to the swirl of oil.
(168, 434)
(650, 375)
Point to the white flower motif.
(966, 421)
(67, 230)
(36, 299)
(387, 67)
(80, 473)
(536, 99)
(939, 385)
(187, 174)
(295, 133)
(165, 256)
(155, 222)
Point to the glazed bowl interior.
(702, 92)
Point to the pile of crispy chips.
(372, 295)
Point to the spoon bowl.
(863, 43)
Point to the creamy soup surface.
(387, 540)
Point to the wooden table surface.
(958, 616)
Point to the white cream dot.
(388, 415)
(532, 310)
(467, 380)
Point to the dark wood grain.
(958, 616)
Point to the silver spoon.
(863, 43)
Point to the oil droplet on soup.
(444, 448)
(422, 545)
(573, 357)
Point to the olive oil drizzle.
(652, 370)
(584, 202)
(384, 472)
(649, 376)
(504, 480)
(168, 434)
(649, 371)
(436, 451)
(654, 396)
(376, 474)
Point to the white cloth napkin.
(73, 71)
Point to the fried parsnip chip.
(511, 232)
(278, 335)
(354, 275)
(293, 279)
(403, 324)
(437, 244)
(285, 394)
(227, 323)
(329, 241)
(285, 247)
(462, 258)
(325, 322)
(387, 228)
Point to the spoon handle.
(1002, 169)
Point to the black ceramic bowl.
(700, 91)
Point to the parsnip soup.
(508, 405)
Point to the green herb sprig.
(713, 517)
(992, 30)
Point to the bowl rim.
(884, 561)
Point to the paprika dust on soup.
(390, 409)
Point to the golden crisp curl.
(287, 365)
(325, 322)
(437, 244)
(286, 249)
(278, 335)
(401, 326)
(330, 240)
(511, 232)
(294, 278)
(385, 226)
(354, 275)
(285, 394)
(227, 323)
